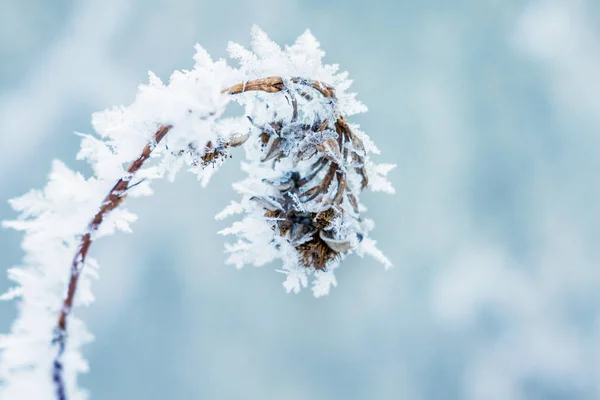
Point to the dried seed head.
(321, 234)
(316, 164)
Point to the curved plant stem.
(111, 201)
(118, 193)
(274, 84)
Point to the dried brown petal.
(316, 168)
(239, 140)
(339, 246)
(323, 219)
(353, 201)
(281, 185)
(341, 178)
(315, 253)
(274, 149)
(330, 149)
(273, 214)
(307, 153)
(301, 233)
(267, 203)
(264, 138)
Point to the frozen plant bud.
(310, 209)
(307, 165)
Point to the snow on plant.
(306, 168)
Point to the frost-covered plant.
(306, 168)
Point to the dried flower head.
(309, 209)
(307, 166)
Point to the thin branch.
(274, 84)
(114, 198)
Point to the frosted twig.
(111, 201)
(117, 195)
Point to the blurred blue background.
(490, 108)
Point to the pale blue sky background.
(490, 108)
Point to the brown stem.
(118, 193)
(274, 84)
(115, 197)
(111, 201)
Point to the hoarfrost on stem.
(306, 167)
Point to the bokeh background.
(490, 108)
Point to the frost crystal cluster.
(306, 168)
